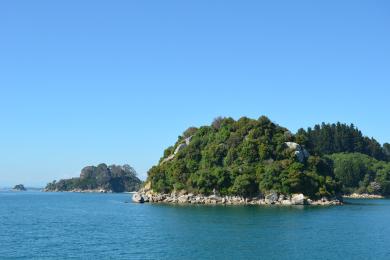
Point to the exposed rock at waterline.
(269, 199)
(298, 199)
(138, 198)
(363, 196)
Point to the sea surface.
(36, 225)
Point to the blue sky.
(84, 82)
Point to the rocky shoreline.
(269, 199)
(363, 196)
(80, 191)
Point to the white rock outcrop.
(272, 198)
(178, 149)
(300, 152)
(298, 199)
(138, 198)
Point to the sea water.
(37, 225)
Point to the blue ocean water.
(35, 225)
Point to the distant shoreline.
(349, 196)
(363, 196)
(87, 191)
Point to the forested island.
(19, 187)
(261, 162)
(101, 178)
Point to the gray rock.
(183, 199)
(271, 198)
(298, 199)
(214, 199)
(145, 198)
(299, 151)
(169, 158)
(188, 140)
(138, 198)
(293, 146)
(180, 147)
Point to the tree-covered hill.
(252, 157)
(113, 178)
(341, 138)
(244, 157)
(360, 173)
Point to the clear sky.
(84, 82)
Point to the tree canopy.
(361, 173)
(339, 138)
(245, 157)
(249, 157)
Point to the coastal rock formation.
(138, 198)
(145, 195)
(169, 158)
(298, 199)
(364, 196)
(178, 149)
(271, 198)
(300, 152)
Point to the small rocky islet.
(19, 187)
(101, 178)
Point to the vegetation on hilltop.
(113, 178)
(341, 138)
(360, 173)
(244, 157)
(249, 157)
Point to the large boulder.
(298, 199)
(300, 152)
(271, 198)
(138, 198)
(183, 199)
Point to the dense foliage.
(102, 177)
(361, 173)
(338, 138)
(245, 157)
